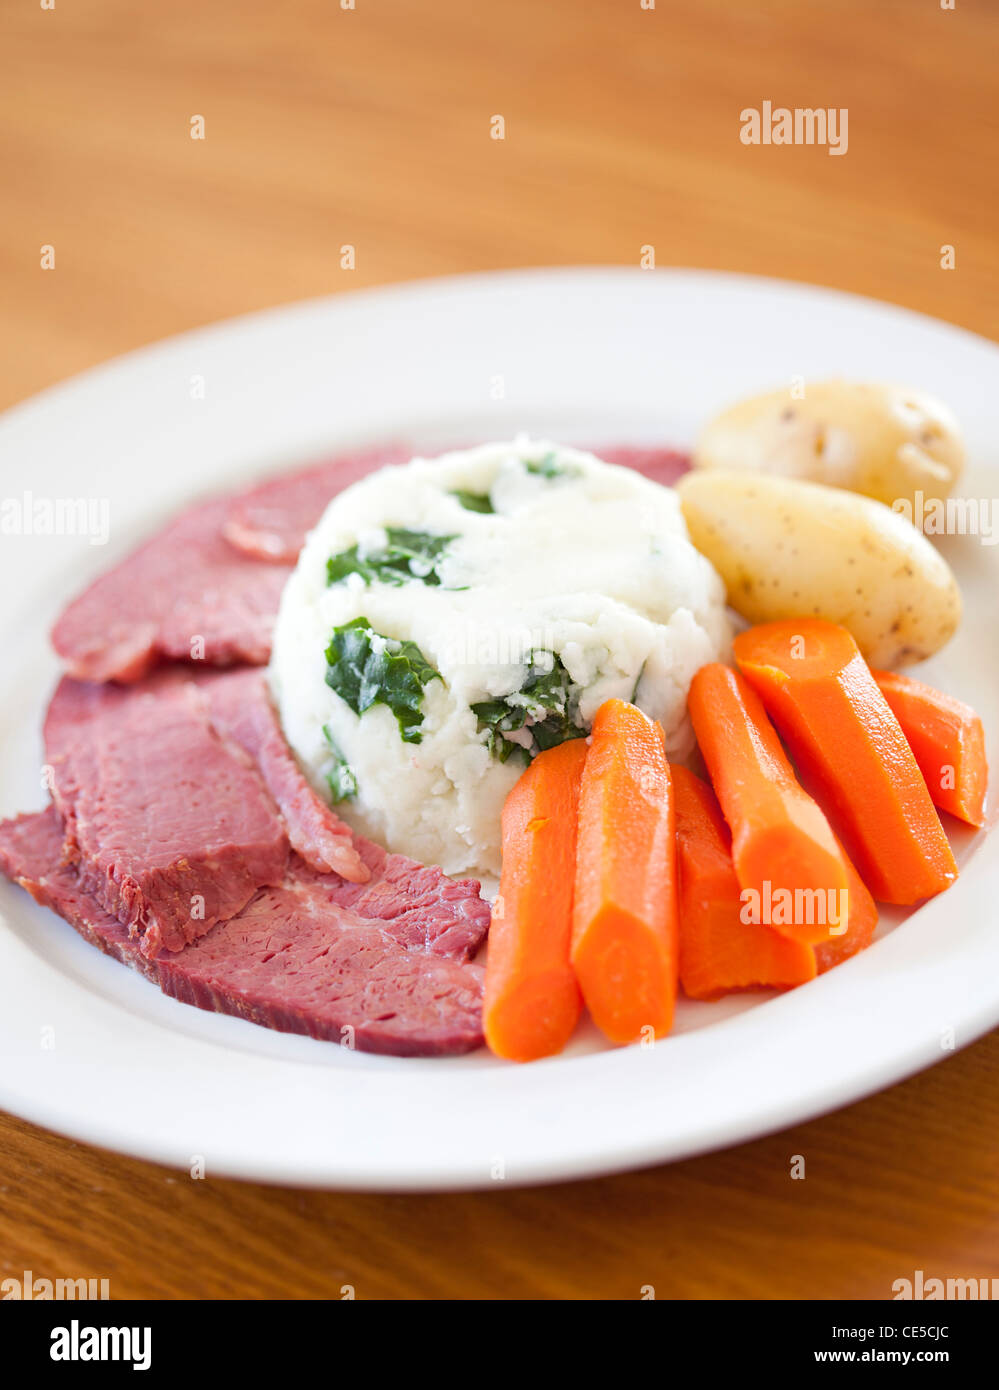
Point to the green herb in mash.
(473, 501)
(548, 698)
(365, 668)
(549, 467)
(341, 777)
(406, 555)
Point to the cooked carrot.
(849, 746)
(947, 741)
(781, 841)
(532, 1000)
(720, 950)
(624, 932)
(861, 919)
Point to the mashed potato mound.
(449, 618)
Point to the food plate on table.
(297, 848)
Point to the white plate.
(95, 1052)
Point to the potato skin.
(884, 441)
(788, 549)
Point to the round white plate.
(93, 1051)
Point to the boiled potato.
(883, 441)
(789, 549)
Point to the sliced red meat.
(184, 595)
(380, 966)
(272, 520)
(180, 798)
(240, 708)
(417, 903)
(171, 826)
(663, 466)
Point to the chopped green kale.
(366, 668)
(473, 501)
(549, 467)
(341, 777)
(544, 706)
(406, 555)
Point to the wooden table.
(371, 127)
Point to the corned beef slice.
(207, 587)
(315, 955)
(164, 805)
(272, 520)
(184, 595)
(171, 827)
(240, 708)
(180, 797)
(663, 466)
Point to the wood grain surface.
(370, 126)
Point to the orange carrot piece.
(947, 741)
(781, 841)
(862, 918)
(624, 933)
(722, 952)
(532, 1000)
(848, 744)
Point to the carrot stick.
(782, 844)
(532, 1000)
(624, 932)
(947, 741)
(861, 919)
(721, 951)
(848, 744)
